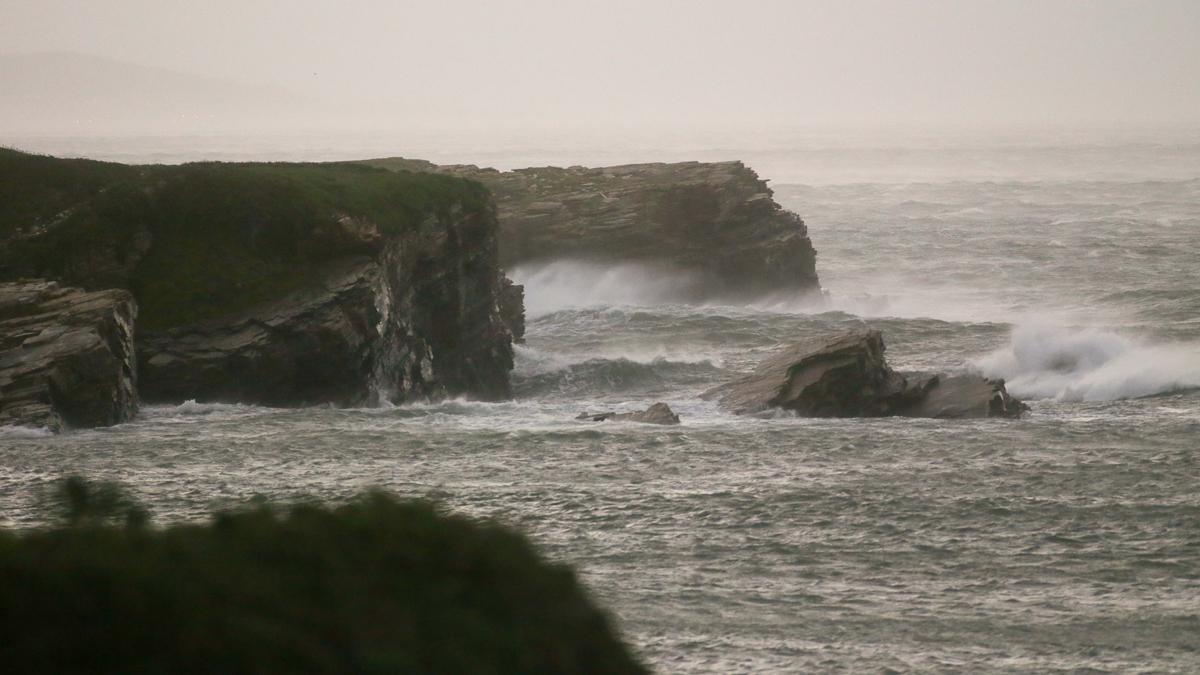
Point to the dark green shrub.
(374, 586)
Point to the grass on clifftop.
(373, 586)
(216, 237)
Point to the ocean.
(1068, 540)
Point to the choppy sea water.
(1068, 540)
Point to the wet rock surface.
(846, 375)
(512, 308)
(66, 356)
(964, 396)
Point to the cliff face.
(417, 321)
(281, 284)
(66, 356)
(717, 222)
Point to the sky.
(657, 62)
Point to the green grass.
(222, 237)
(377, 585)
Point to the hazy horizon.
(137, 66)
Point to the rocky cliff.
(280, 284)
(66, 356)
(716, 222)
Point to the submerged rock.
(847, 376)
(715, 224)
(659, 413)
(66, 356)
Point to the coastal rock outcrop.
(66, 356)
(715, 224)
(659, 413)
(847, 376)
(278, 284)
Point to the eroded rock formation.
(66, 356)
(846, 375)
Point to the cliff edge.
(277, 284)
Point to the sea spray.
(570, 283)
(1046, 361)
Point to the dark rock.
(659, 413)
(66, 356)
(512, 309)
(847, 376)
(418, 321)
(717, 223)
(966, 396)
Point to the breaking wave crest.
(1044, 361)
(191, 408)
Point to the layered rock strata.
(66, 356)
(846, 375)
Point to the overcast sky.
(656, 61)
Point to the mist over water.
(1061, 541)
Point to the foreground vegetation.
(202, 240)
(374, 586)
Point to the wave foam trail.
(1045, 361)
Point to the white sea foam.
(1045, 361)
(192, 408)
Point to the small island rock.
(659, 413)
(847, 376)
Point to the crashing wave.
(1045, 361)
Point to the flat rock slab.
(846, 375)
(966, 396)
(66, 356)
